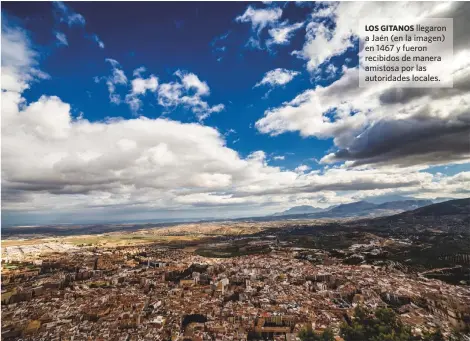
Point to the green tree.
(436, 336)
(308, 335)
(382, 325)
(459, 336)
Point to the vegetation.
(383, 325)
(308, 335)
(436, 336)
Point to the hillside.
(451, 216)
(451, 207)
(303, 209)
(410, 204)
(351, 210)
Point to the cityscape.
(214, 171)
(201, 282)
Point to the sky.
(168, 110)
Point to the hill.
(409, 204)
(303, 209)
(351, 210)
(451, 216)
(451, 207)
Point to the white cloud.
(202, 112)
(69, 16)
(302, 169)
(169, 94)
(279, 157)
(188, 93)
(98, 41)
(137, 72)
(277, 77)
(331, 70)
(282, 34)
(19, 64)
(260, 17)
(134, 102)
(192, 82)
(117, 77)
(61, 38)
(141, 85)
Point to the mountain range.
(355, 209)
(303, 209)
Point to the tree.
(308, 335)
(436, 336)
(382, 325)
(460, 336)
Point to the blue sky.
(268, 78)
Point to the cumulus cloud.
(424, 139)
(140, 86)
(282, 34)
(367, 129)
(277, 77)
(192, 82)
(19, 59)
(260, 17)
(302, 169)
(188, 93)
(69, 16)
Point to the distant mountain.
(355, 209)
(405, 204)
(352, 208)
(381, 199)
(365, 208)
(303, 209)
(451, 216)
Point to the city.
(266, 288)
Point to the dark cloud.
(413, 141)
(406, 95)
(353, 185)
